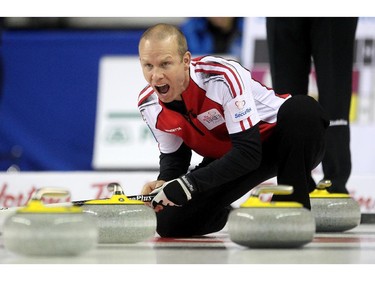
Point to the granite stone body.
(335, 214)
(123, 223)
(271, 227)
(49, 234)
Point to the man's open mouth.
(163, 89)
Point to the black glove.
(174, 193)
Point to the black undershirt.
(244, 157)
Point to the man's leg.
(333, 49)
(208, 211)
(289, 52)
(292, 152)
(300, 137)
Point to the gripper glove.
(174, 193)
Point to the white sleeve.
(167, 143)
(267, 101)
(235, 94)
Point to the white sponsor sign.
(16, 188)
(122, 139)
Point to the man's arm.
(244, 157)
(176, 164)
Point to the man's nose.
(157, 74)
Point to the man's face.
(163, 67)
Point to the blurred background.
(69, 87)
(87, 23)
(49, 86)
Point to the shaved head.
(165, 61)
(162, 32)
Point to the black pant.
(295, 148)
(292, 44)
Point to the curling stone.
(4, 214)
(260, 224)
(333, 212)
(120, 219)
(42, 230)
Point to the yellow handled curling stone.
(333, 212)
(120, 219)
(42, 230)
(259, 224)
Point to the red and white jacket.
(221, 99)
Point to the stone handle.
(115, 188)
(323, 184)
(275, 189)
(50, 192)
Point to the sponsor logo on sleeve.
(239, 109)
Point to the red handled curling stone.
(333, 212)
(120, 219)
(259, 224)
(42, 230)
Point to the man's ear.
(187, 58)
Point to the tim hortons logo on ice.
(9, 198)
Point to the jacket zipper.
(187, 117)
